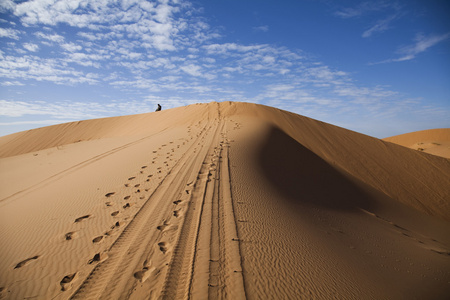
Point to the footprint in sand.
(81, 218)
(176, 213)
(109, 232)
(98, 257)
(143, 167)
(126, 197)
(108, 203)
(70, 235)
(127, 184)
(97, 239)
(26, 261)
(66, 282)
(115, 213)
(144, 273)
(176, 202)
(163, 226)
(131, 178)
(163, 247)
(126, 205)
(109, 194)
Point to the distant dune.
(433, 141)
(222, 201)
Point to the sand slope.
(220, 200)
(433, 141)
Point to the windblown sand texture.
(433, 141)
(220, 201)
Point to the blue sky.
(377, 67)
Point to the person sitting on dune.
(159, 108)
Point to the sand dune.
(220, 201)
(433, 141)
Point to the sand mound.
(220, 200)
(433, 141)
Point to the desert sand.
(433, 141)
(220, 201)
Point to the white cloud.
(90, 36)
(9, 33)
(264, 28)
(422, 44)
(6, 5)
(71, 47)
(32, 67)
(373, 8)
(50, 37)
(380, 26)
(228, 48)
(31, 47)
(192, 70)
(11, 83)
(152, 23)
(324, 74)
(364, 8)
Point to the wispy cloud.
(263, 28)
(422, 43)
(380, 26)
(373, 8)
(11, 83)
(363, 8)
(50, 37)
(41, 69)
(192, 70)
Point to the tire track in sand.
(179, 276)
(206, 261)
(218, 270)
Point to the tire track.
(178, 279)
(220, 236)
(206, 262)
(232, 272)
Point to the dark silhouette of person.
(159, 108)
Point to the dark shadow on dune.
(305, 178)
